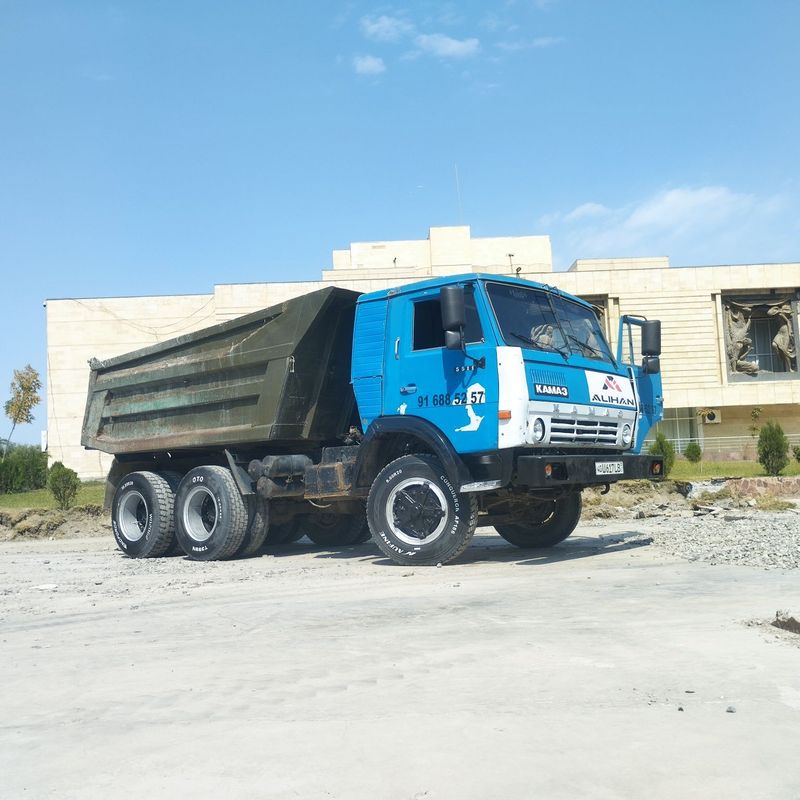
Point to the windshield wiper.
(584, 345)
(588, 346)
(548, 348)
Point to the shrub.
(63, 484)
(796, 451)
(24, 468)
(663, 447)
(773, 448)
(693, 452)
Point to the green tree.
(24, 398)
(755, 413)
(663, 447)
(773, 448)
(693, 453)
(63, 484)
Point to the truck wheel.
(142, 515)
(544, 523)
(211, 517)
(173, 479)
(257, 527)
(366, 534)
(285, 532)
(332, 530)
(416, 515)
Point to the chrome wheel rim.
(417, 511)
(133, 516)
(200, 514)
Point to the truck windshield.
(526, 319)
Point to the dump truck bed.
(280, 375)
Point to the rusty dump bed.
(278, 375)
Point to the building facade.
(730, 333)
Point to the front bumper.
(582, 470)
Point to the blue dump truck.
(410, 415)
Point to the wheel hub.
(200, 513)
(417, 511)
(133, 516)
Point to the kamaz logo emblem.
(551, 389)
(610, 383)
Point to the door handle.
(410, 389)
(397, 348)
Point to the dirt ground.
(601, 668)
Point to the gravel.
(754, 539)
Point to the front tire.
(416, 515)
(543, 523)
(142, 515)
(211, 518)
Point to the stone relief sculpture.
(737, 342)
(783, 341)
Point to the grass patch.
(686, 471)
(710, 497)
(766, 503)
(90, 494)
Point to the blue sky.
(160, 147)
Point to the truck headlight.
(627, 433)
(538, 429)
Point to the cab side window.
(428, 331)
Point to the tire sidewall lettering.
(456, 530)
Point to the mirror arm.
(480, 363)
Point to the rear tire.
(416, 515)
(257, 528)
(285, 532)
(142, 515)
(174, 480)
(211, 518)
(332, 530)
(544, 523)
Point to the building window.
(679, 426)
(760, 336)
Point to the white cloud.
(368, 65)
(439, 44)
(539, 42)
(691, 225)
(547, 41)
(385, 28)
(587, 210)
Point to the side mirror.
(453, 340)
(454, 315)
(651, 337)
(651, 365)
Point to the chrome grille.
(583, 431)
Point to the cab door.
(649, 395)
(447, 388)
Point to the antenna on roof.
(458, 196)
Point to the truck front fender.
(385, 431)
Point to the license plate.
(608, 468)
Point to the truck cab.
(515, 388)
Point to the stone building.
(729, 332)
